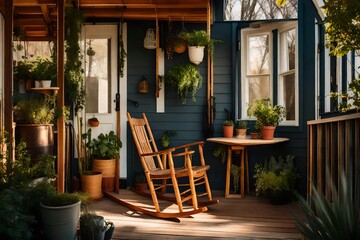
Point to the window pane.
(287, 46)
(98, 75)
(259, 9)
(288, 92)
(258, 55)
(259, 87)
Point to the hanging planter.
(196, 41)
(150, 39)
(196, 54)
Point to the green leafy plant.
(105, 146)
(186, 78)
(165, 138)
(342, 25)
(199, 38)
(266, 114)
(275, 174)
(140, 178)
(228, 123)
(241, 124)
(349, 100)
(220, 152)
(335, 218)
(44, 69)
(23, 70)
(35, 111)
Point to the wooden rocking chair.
(160, 171)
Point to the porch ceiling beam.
(33, 2)
(48, 22)
(144, 6)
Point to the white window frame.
(280, 99)
(267, 28)
(245, 35)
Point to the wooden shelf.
(46, 91)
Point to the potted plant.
(94, 227)
(34, 124)
(60, 214)
(93, 122)
(91, 180)
(241, 129)
(23, 74)
(140, 183)
(44, 72)
(196, 41)
(276, 179)
(267, 116)
(186, 78)
(228, 127)
(105, 149)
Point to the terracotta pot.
(93, 123)
(228, 131)
(91, 184)
(267, 132)
(254, 135)
(141, 187)
(107, 168)
(240, 133)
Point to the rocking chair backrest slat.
(144, 142)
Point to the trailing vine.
(123, 53)
(74, 74)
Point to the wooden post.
(60, 96)
(8, 72)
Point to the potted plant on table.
(228, 128)
(241, 129)
(186, 79)
(44, 72)
(267, 116)
(23, 74)
(34, 119)
(196, 42)
(276, 179)
(105, 149)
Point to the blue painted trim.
(275, 66)
(344, 73)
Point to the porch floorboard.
(232, 218)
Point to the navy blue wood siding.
(188, 120)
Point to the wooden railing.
(333, 147)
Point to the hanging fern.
(186, 78)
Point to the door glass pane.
(289, 95)
(97, 70)
(259, 87)
(258, 55)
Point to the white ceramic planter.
(46, 83)
(196, 54)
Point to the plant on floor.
(20, 191)
(186, 79)
(336, 218)
(105, 146)
(276, 176)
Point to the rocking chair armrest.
(183, 153)
(158, 152)
(201, 143)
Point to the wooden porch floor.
(232, 218)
